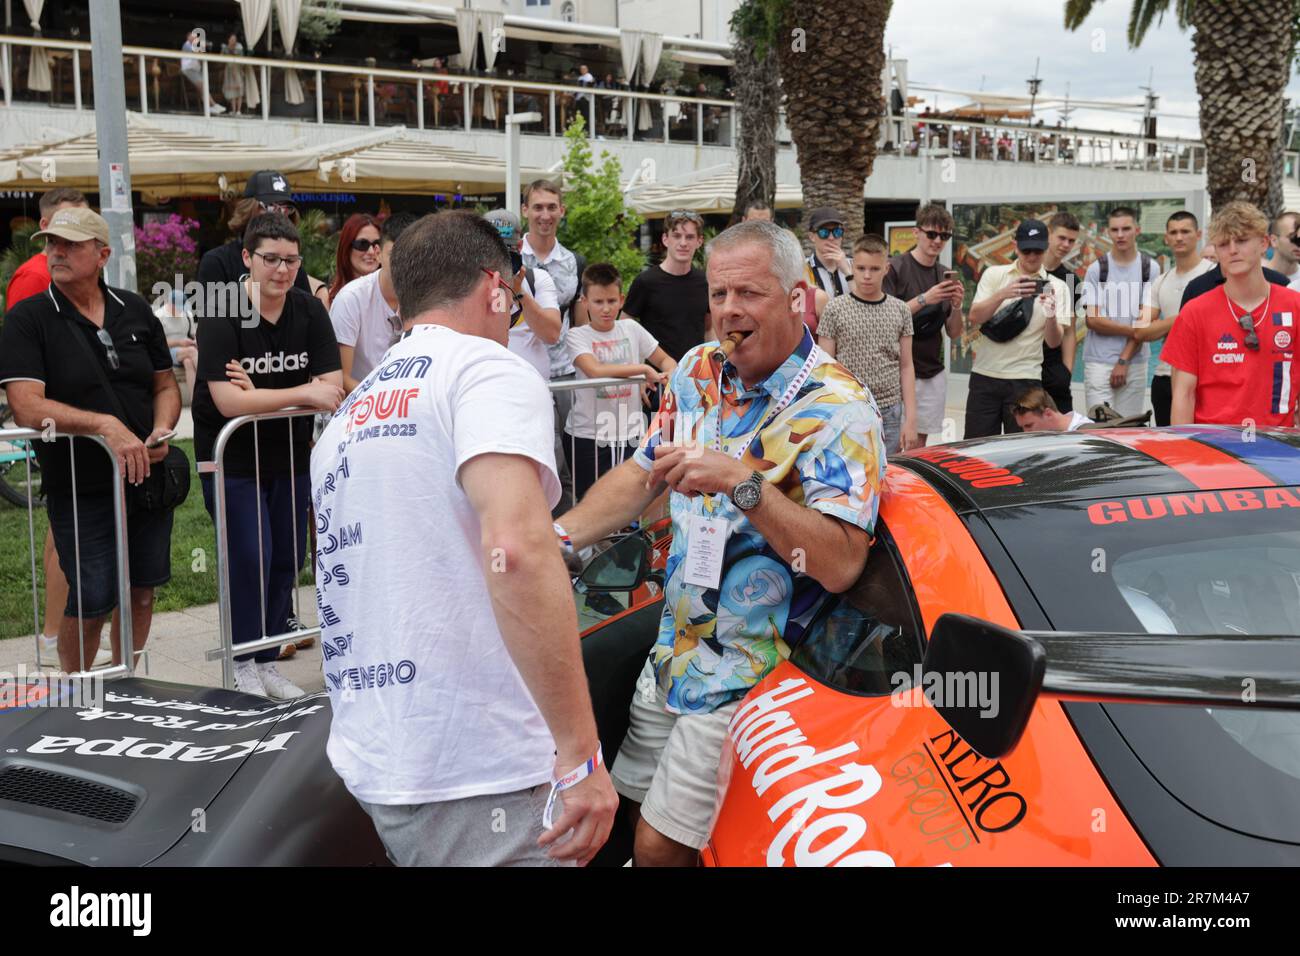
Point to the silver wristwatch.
(747, 494)
(920, 300)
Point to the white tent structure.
(708, 190)
(163, 162)
(398, 162)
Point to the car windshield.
(1224, 563)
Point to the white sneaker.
(104, 655)
(216, 108)
(248, 679)
(278, 687)
(47, 651)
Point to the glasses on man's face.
(365, 245)
(274, 261)
(110, 350)
(1248, 326)
(518, 316)
(283, 208)
(825, 232)
(932, 235)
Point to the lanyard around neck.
(797, 383)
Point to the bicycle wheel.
(15, 456)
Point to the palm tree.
(1243, 51)
(832, 56)
(758, 97)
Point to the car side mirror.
(624, 566)
(983, 679)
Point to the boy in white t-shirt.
(606, 420)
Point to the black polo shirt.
(39, 343)
(281, 354)
(1209, 281)
(224, 267)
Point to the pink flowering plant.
(165, 250)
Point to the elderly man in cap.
(93, 360)
(1017, 308)
(829, 269)
(535, 320)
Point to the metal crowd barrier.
(579, 384)
(217, 468)
(18, 440)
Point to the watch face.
(746, 494)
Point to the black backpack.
(1103, 268)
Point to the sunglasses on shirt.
(515, 297)
(110, 350)
(825, 232)
(1248, 326)
(365, 245)
(932, 235)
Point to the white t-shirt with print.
(428, 705)
(610, 413)
(523, 342)
(362, 319)
(1167, 295)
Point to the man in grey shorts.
(769, 522)
(448, 628)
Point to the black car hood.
(120, 784)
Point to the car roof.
(1051, 467)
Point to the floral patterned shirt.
(824, 451)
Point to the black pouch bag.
(168, 484)
(1009, 321)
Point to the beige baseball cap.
(76, 224)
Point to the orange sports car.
(1066, 649)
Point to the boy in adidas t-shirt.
(870, 333)
(605, 423)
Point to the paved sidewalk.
(178, 641)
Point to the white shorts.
(1127, 399)
(931, 401)
(669, 763)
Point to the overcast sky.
(960, 44)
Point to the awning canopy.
(397, 162)
(162, 162)
(709, 190)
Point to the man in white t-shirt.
(605, 423)
(1182, 236)
(1115, 289)
(364, 312)
(539, 326)
(1036, 411)
(449, 633)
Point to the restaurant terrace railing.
(360, 95)
(373, 96)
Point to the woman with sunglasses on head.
(222, 268)
(358, 251)
(283, 354)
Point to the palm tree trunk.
(758, 96)
(832, 55)
(1243, 56)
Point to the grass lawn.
(194, 569)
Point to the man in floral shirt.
(775, 461)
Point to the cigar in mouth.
(728, 345)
